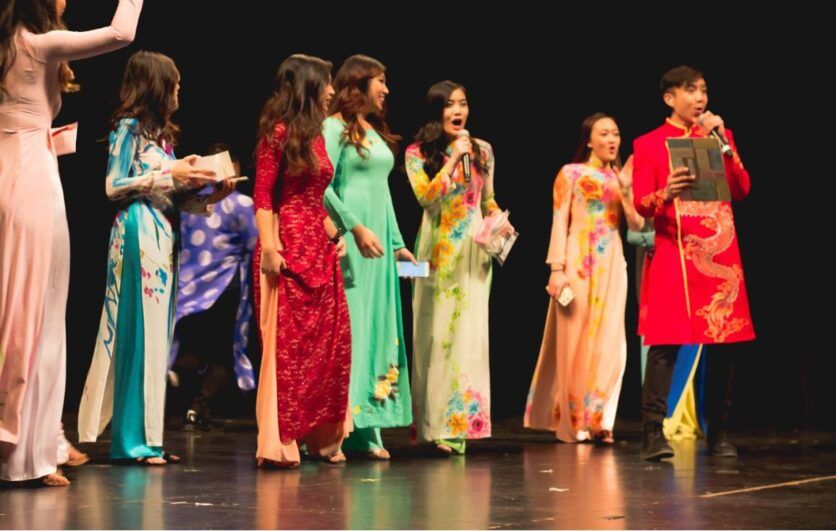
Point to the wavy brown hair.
(37, 16)
(296, 103)
(352, 98)
(147, 94)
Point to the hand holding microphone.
(714, 126)
(464, 147)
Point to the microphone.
(715, 133)
(465, 158)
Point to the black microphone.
(715, 133)
(465, 158)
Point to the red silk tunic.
(692, 288)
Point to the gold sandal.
(76, 457)
(56, 480)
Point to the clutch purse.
(494, 238)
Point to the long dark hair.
(37, 16)
(147, 94)
(295, 102)
(431, 137)
(352, 87)
(583, 152)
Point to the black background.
(532, 77)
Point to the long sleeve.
(243, 365)
(489, 205)
(332, 132)
(120, 184)
(649, 198)
(62, 45)
(562, 204)
(428, 191)
(268, 159)
(736, 175)
(397, 238)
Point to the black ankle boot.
(720, 445)
(654, 444)
(196, 421)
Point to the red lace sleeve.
(267, 162)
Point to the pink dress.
(577, 382)
(35, 244)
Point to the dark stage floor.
(518, 479)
